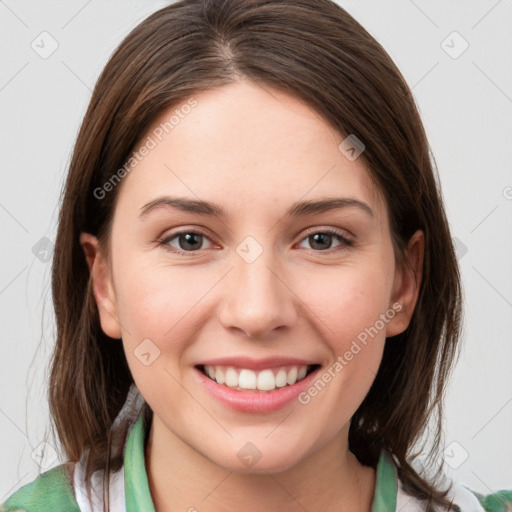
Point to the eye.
(321, 240)
(187, 241)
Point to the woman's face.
(257, 296)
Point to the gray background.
(465, 99)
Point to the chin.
(249, 460)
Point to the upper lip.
(256, 364)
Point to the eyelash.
(345, 242)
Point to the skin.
(267, 150)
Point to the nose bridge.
(258, 300)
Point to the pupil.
(322, 236)
(189, 240)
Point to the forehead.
(247, 148)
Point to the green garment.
(53, 491)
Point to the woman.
(212, 352)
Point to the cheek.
(347, 301)
(352, 310)
(350, 313)
(157, 302)
(156, 310)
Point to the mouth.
(266, 380)
(258, 386)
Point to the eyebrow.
(300, 208)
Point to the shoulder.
(51, 491)
(467, 500)
(500, 501)
(463, 498)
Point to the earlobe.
(102, 285)
(407, 285)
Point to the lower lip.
(256, 401)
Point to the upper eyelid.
(180, 231)
(336, 230)
(314, 229)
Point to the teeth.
(292, 376)
(280, 379)
(219, 376)
(247, 379)
(231, 378)
(264, 380)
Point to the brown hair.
(314, 50)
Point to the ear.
(102, 284)
(406, 285)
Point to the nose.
(257, 299)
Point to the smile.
(258, 386)
(245, 379)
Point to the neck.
(330, 479)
